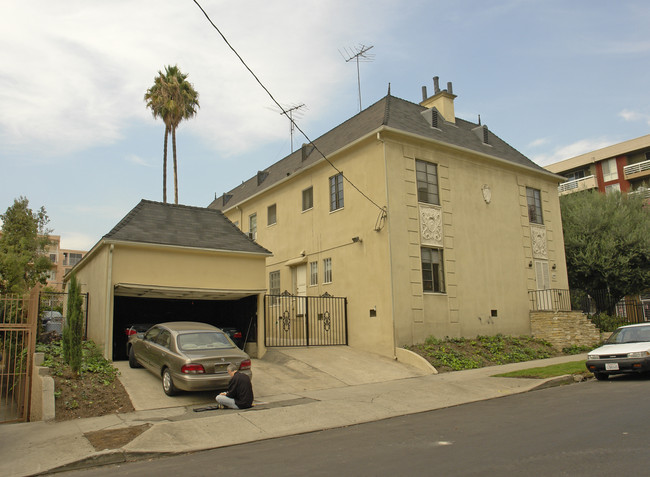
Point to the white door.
(301, 288)
(544, 298)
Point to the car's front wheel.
(601, 376)
(168, 383)
(133, 363)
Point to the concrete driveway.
(282, 374)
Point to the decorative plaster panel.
(538, 239)
(431, 226)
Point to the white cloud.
(571, 150)
(74, 76)
(77, 241)
(538, 142)
(634, 116)
(135, 159)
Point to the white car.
(626, 351)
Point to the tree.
(607, 242)
(173, 99)
(23, 248)
(73, 329)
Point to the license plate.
(611, 366)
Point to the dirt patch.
(114, 438)
(88, 395)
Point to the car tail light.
(237, 334)
(246, 364)
(192, 369)
(130, 331)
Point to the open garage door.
(150, 305)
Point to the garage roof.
(180, 293)
(184, 226)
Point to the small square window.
(271, 215)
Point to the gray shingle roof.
(182, 225)
(389, 111)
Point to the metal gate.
(18, 315)
(291, 320)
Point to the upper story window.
(252, 226)
(336, 192)
(426, 175)
(307, 199)
(534, 199)
(610, 173)
(575, 175)
(271, 215)
(433, 278)
(327, 270)
(53, 257)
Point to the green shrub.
(606, 322)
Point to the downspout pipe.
(108, 316)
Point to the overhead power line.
(285, 112)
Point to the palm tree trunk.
(165, 166)
(175, 168)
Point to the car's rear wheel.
(601, 376)
(133, 363)
(168, 383)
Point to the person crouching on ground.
(240, 390)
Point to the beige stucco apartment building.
(428, 224)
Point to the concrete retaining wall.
(564, 328)
(42, 399)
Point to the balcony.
(584, 183)
(634, 171)
(643, 192)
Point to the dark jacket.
(241, 390)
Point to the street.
(592, 428)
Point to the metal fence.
(291, 320)
(18, 327)
(632, 309)
(52, 309)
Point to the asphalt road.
(587, 429)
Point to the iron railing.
(291, 320)
(631, 309)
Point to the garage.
(167, 262)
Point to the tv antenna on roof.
(359, 54)
(289, 113)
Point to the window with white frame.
(534, 200)
(609, 170)
(426, 174)
(612, 188)
(313, 273)
(433, 278)
(271, 215)
(307, 199)
(274, 283)
(336, 192)
(327, 270)
(252, 226)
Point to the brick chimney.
(442, 100)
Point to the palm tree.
(173, 99)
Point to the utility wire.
(282, 109)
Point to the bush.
(605, 322)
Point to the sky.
(553, 78)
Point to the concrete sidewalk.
(39, 447)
